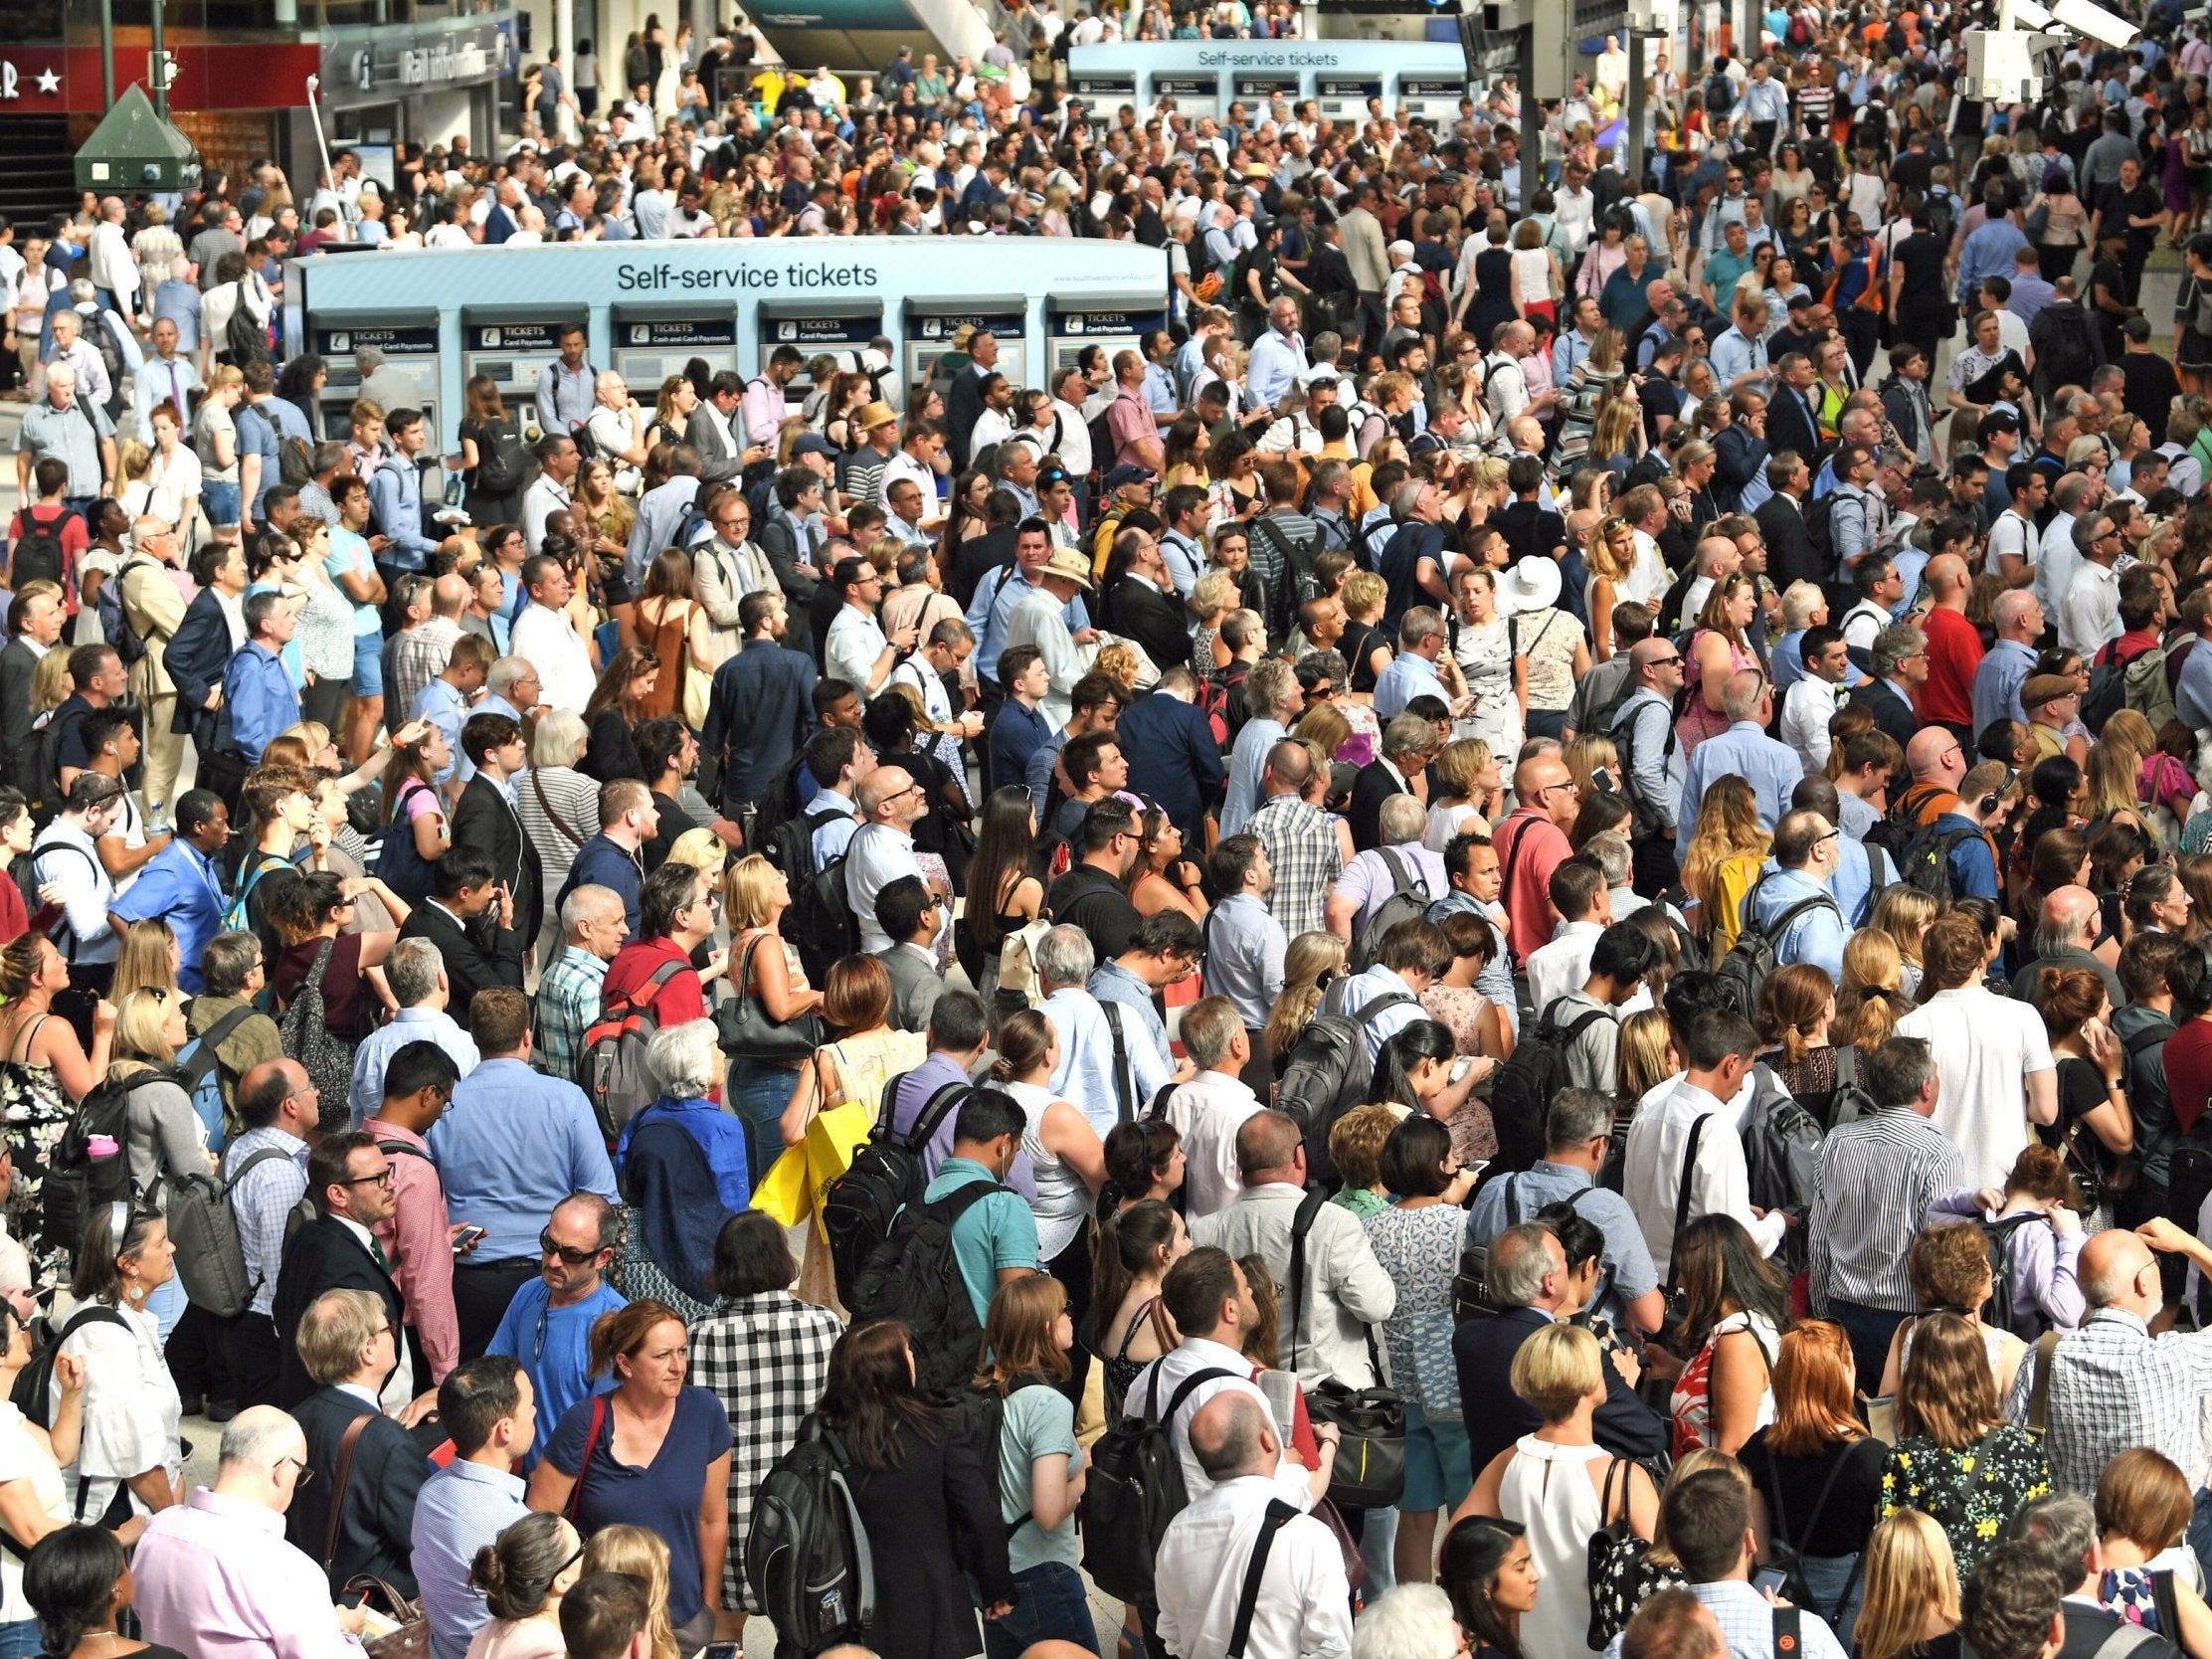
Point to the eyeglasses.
(1833, 835)
(382, 1178)
(1666, 661)
(305, 1474)
(574, 1257)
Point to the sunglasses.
(573, 1257)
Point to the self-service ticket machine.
(512, 352)
(1343, 98)
(409, 347)
(1068, 331)
(1257, 90)
(842, 329)
(1195, 95)
(931, 325)
(649, 349)
(1431, 99)
(1102, 97)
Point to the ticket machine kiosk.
(409, 347)
(842, 330)
(649, 349)
(1195, 95)
(1431, 99)
(1343, 98)
(1068, 331)
(1257, 90)
(512, 351)
(1103, 96)
(931, 325)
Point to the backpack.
(1999, 1235)
(211, 1262)
(500, 462)
(400, 865)
(244, 339)
(824, 926)
(2143, 677)
(1649, 815)
(33, 1394)
(1298, 583)
(202, 1074)
(296, 464)
(1750, 962)
(1720, 93)
(807, 1552)
(614, 1072)
(914, 1276)
(101, 333)
(115, 624)
(1851, 1100)
(1328, 1072)
(2107, 694)
(306, 1036)
(238, 914)
(1101, 428)
(1820, 532)
(1941, 208)
(1924, 864)
(77, 1183)
(1409, 901)
(36, 555)
(1135, 1488)
(1781, 1142)
(1521, 1092)
(861, 1207)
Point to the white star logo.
(48, 81)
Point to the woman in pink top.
(524, 1575)
(1719, 650)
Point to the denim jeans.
(1048, 1606)
(20, 1640)
(1825, 1577)
(758, 1094)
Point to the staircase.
(40, 180)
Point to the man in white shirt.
(545, 636)
(1813, 702)
(1585, 902)
(1992, 1052)
(113, 272)
(1236, 1572)
(1722, 1047)
(2089, 614)
(1208, 1110)
(163, 378)
(882, 849)
(857, 650)
(558, 460)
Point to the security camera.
(2093, 20)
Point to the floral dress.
(1420, 1249)
(1970, 1494)
(1691, 1403)
(37, 1111)
(1485, 656)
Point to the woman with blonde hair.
(146, 959)
(1956, 1458)
(1647, 1055)
(162, 1133)
(558, 805)
(1310, 963)
(642, 1554)
(1910, 1608)
(1721, 863)
(1720, 650)
(1872, 999)
(1588, 388)
(1610, 555)
(1463, 791)
(1904, 912)
(1594, 764)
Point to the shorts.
(1438, 1466)
(221, 502)
(368, 666)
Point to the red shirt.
(68, 526)
(1530, 847)
(1954, 654)
(2189, 1070)
(681, 998)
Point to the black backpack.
(1851, 1100)
(36, 555)
(501, 462)
(914, 1276)
(244, 339)
(822, 927)
(77, 1183)
(1924, 864)
(33, 1394)
(1750, 962)
(1328, 1072)
(2107, 694)
(1408, 902)
(1781, 1144)
(807, 1552)
(861, 1207)
(1999, 1235)
(101, 333)
(1820, 532)
(1133, 1489)
(1521, 1093)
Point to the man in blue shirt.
(487, 1407)
(958, 1032)
(1165, 949)
(628, 820)
(395, 496)
(1805, 859)
(760, 712)
(549, 1323)
(1770, 767)
(182, 884)
(511, 1146)
(995, 1238)
(1021, 727)
(258, 693)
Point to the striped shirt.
(261, 1200)
(1872, 1183)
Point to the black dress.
(485, 506)
(1493, 293)
(933, 1520)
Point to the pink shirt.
(420, 1243)
(216, 1578)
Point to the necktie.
(176, 390)
(376, 1249)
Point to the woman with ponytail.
(1145, 1162)
(1872, 999)
(1135, 1251)
(524, 1575)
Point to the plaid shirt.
(2113, 1385)
(1301, 844)
(765, 1356)
(568, 1003)
(263, 1200)
(1746, 1622)
(413, 658)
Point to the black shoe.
(221, 1410)
(188, 1403)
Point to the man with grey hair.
(416, 972)
(1085, 1074)
(1414, 672)
(2058, 557)
(1770, 765)
(1795, 903)
(1298, 839)
(1530, 1287)
(1274, 700)
(1409, 742)
(1211, 1107)
(1241, 1531)
(1899, 668)
(2089, 610)
(1399, 863)
(75, 432)
(593, 926)
(2063, 1528)
(1653, 768)
(882, 851)
(217, 1568)
(513, 688)
(1874, 1179)
(384, 385)
(2066, 930)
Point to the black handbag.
(747, 1032)
(1369, 1468)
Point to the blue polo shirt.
(554, 1347)
(182, 887)
(997, 1232)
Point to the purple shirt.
(912, 1099)
(216, 1578)
(2041, 1260)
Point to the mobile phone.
(720, 1650)
(1768, 1579)
(468, 1236)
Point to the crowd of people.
(1484, 814)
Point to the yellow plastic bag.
(833, 1137)
(785, 1194)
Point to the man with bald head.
(2065, 931)
(1303, 1604)
(1531, 843)
(882, 849)
(2112, 1385)
(2005, 668)
(1769, 766)
(1652, 766)
(1936, 760)
(1954, 647)
(1299, 839)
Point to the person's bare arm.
(2043, 1097)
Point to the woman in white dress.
(173, 478)
(1484, 652)
(128, 1457)
(1555, 1483)
(1065, 1154)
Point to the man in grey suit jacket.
(717, 432)
(913, 916)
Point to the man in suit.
(1365, 250)
(349, 1183)
(1789, 418)
(964, 398)
(1900, 665)
(1409, 742)
(198, 653)
(717, 432)
(1530, 1288)
(793, 535)
(349, 1348)
(911, 917)
(1141, 602)
(485, 816)
(470, 917)
(1782, 518)
(1173, 756)
(33, 627)
(760, 710)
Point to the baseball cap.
(813, 443)
(1128, 473)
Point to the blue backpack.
(202, 1074)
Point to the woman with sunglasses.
(522, 1575)
(272, 567)
(130, 1460)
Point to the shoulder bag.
(1369, 1470)
(537, 784)
(1617, 1562)
(411, 1640)
(748, 1032)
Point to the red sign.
(54, 81)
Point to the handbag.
(1617, 1565)
(1370, 1467)
(306, 1036)
(748, 1032)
